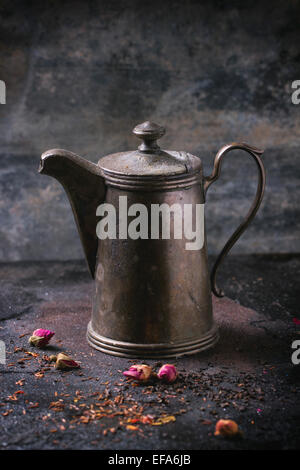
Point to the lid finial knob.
(149, 132)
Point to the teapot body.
(152, 296)
(148, 258)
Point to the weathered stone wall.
(80, 75)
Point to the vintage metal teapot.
(153, 295)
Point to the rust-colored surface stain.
(240, 344)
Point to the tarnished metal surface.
(85, 188)
(149, 159)
(152, 296)
(167, 162)
(255, 153)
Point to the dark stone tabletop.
(248, 377)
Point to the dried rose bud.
(167, 373)
(227, 428)
(41, 337)
(139, 372)
(65, 362)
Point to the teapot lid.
(149, 159)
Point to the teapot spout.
(85, 187)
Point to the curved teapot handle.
(255, 153)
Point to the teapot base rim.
(152, 351)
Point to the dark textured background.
(82, 74)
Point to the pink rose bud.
(41, 337)
(227, 428)
(167, 373)
(65, 362)
(139, 372)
